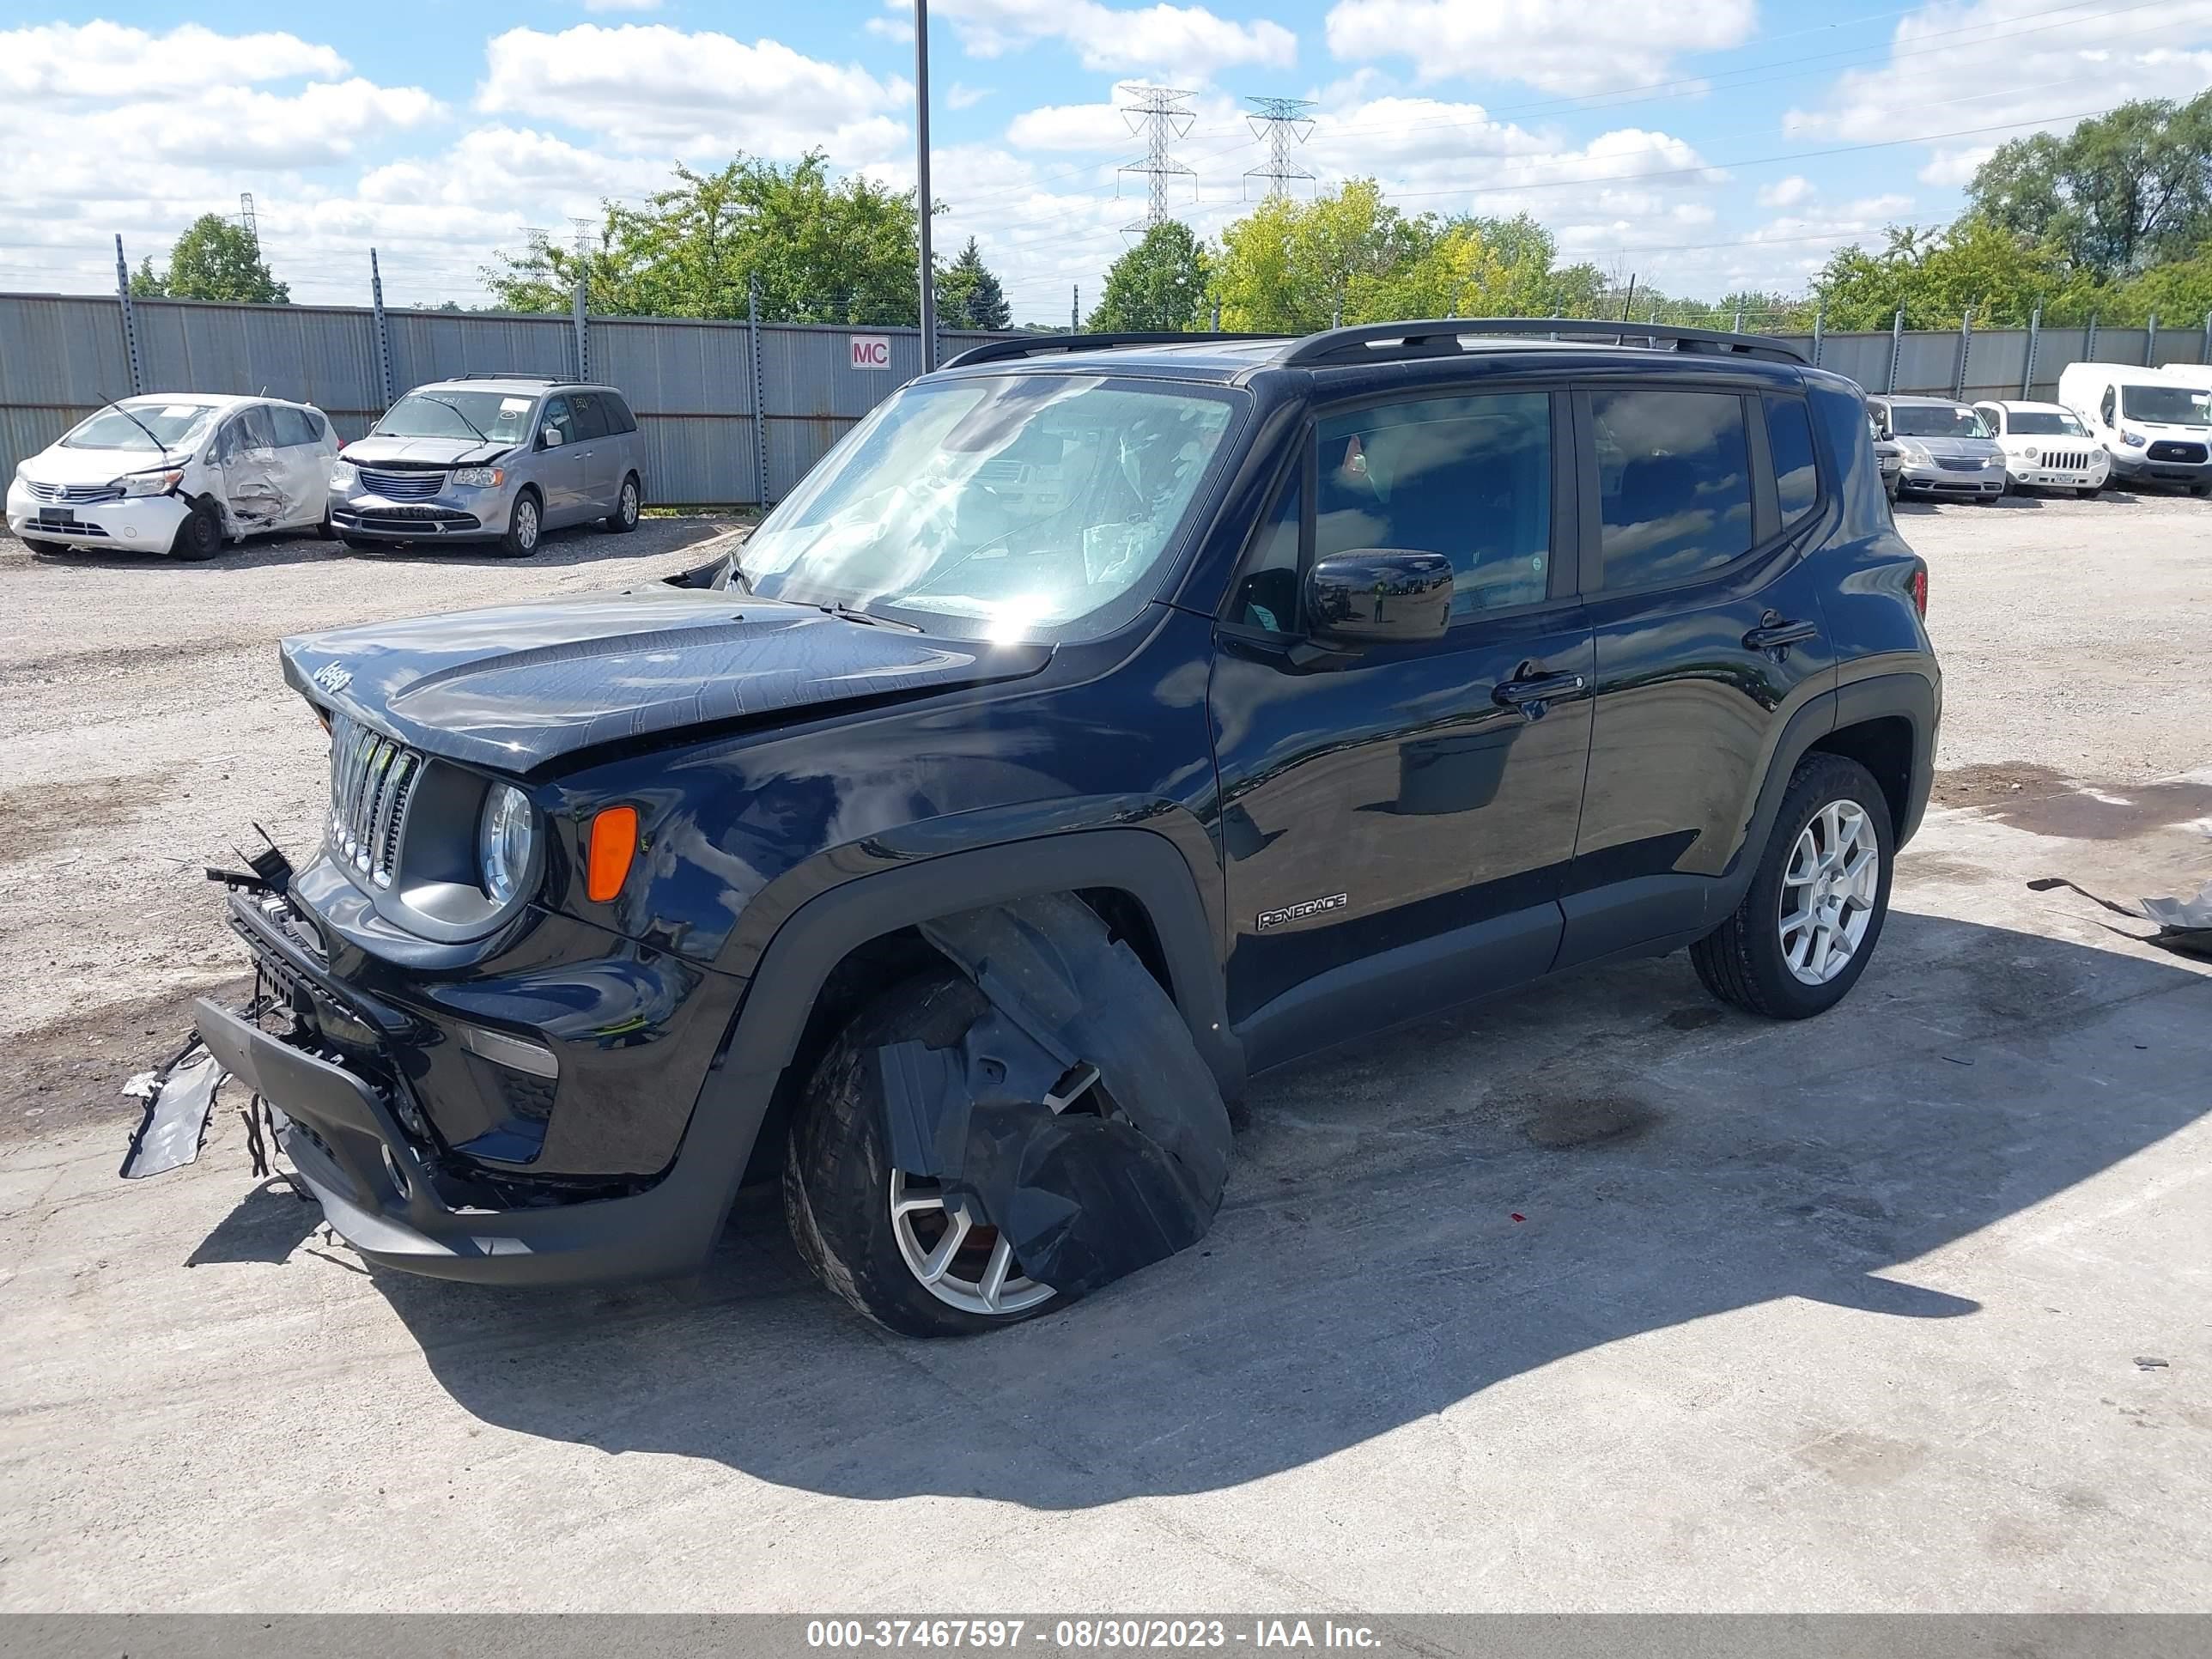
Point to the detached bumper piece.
(1083, 1196)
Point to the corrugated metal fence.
(696, 385)
(692, 383)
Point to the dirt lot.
(1600, 1297)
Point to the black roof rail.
(510, 374)
(1429, 338)
(994, 351)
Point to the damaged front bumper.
(147, 523)
(451, 513)
(347, 1085)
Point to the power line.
(1162, 114)
(1279, 121)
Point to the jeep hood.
(520, 686)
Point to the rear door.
(1397, 823)
(1708, 637)
(595, 477)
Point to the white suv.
(2046, 447)
(178, 473)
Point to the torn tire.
(838, 1187)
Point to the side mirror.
(550, 438)
(1380, 596)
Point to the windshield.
(173, 424)
(1936, 420)
(1008, 507)
(2175, 405)
(500, 417)
(2044, 424)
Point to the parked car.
(2047, 446)
(1946, 449)
(497, 458)
(1099, 725)
(178, 473)
(2154, 428)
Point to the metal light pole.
(921, 199)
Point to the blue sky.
(1704, 147)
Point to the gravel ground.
(149, 727)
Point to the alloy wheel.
(962, 1263)
(1828, 892)
(526, 523)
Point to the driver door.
(1398, 823)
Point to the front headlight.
(2033, 453)
(1917, 454)
(344, 475)
(2133, 439)
(506, 837)
(150, 484)
(479, 477)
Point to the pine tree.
(968, 295)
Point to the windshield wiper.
(845, 612)
(141, 426)
(431, 397)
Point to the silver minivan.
(491, 458)
(1948, 448)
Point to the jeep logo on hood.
(334, 676)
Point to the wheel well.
(874, 965)
(1884, 747)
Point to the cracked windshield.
(1012, 506)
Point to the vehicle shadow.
(1409, 1223)
(576, 545)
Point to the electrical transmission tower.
(1281, 121)
(247, 221)
(1163, 115)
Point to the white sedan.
(179, 473)
(2046, 447)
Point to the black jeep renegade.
(1102, 722)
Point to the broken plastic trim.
(1076, 1117)
(179, 1100)
(2184, 924)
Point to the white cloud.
(1189, 41)
(890, 28)
(107, 63)
(1532, 40)
(653, 87)
(958, 96)
(1786, 192)
(1988, 70)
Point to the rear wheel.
(200, 536)
(523, 525)
(891, 1242)
(627, 506)
(1808, 923)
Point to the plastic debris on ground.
(2184, 924)
(179, 1100)
(1076, 1115)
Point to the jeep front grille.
(372, 778)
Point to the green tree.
(2119, 192)
(1978, 264)
(1291, 267)
(968, 295)
(823, 250)
(1161, 284)
(214, 259)
(1477, 267)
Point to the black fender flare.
(1912, 696)
(817, 936)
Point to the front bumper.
(2025, 474)
(144, 523)
(453, 515)
(365, 1092)
(1931, 480)
(2137, 467)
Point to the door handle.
(1533, 694)
(1775, 634)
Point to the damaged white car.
(177, 473)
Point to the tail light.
(1920, 590)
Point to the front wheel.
(891, 1243)
(1807, 924)
(624, 517)
(522, 524)
(200, 536)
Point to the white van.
(2156, 428)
